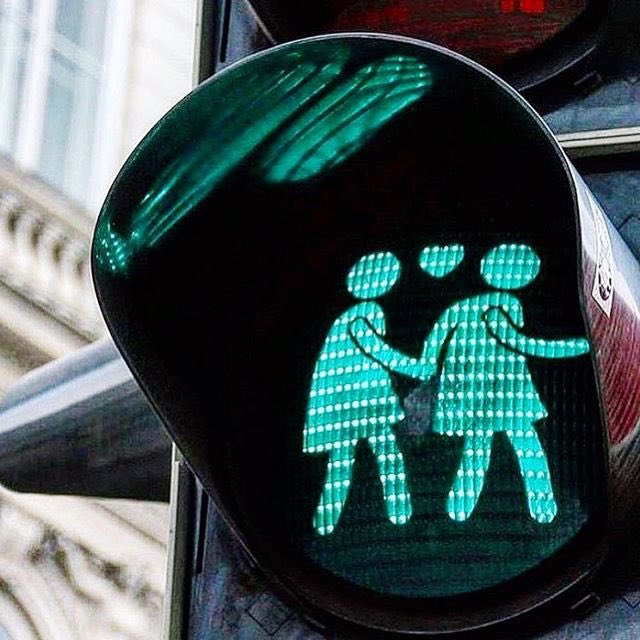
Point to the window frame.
(31, 97)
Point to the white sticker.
(602, 291)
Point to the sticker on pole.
(602, 291)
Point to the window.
(58, 91)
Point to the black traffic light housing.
(364, 146)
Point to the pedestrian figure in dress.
(352, 399)
(485, 385)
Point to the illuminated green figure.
(352, 399)
(485, 385)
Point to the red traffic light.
(489, 31)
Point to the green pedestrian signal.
(485, 386)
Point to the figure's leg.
(335, 490)
(467, 486)
(535, 473)
(392, 476)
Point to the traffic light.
(385, 322)
(550, 50)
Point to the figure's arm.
(372, 344)
(501, 327)
(438, 338)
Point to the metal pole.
(176, 595)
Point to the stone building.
(80, 84)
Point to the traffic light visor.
(346, 272)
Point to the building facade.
(80, 84)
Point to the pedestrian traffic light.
(385, 322)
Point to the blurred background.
(81, 82)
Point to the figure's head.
(373, 275)
(510, 266)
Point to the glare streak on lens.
(232, 135)
(342, 121)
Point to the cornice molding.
(44, 251)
